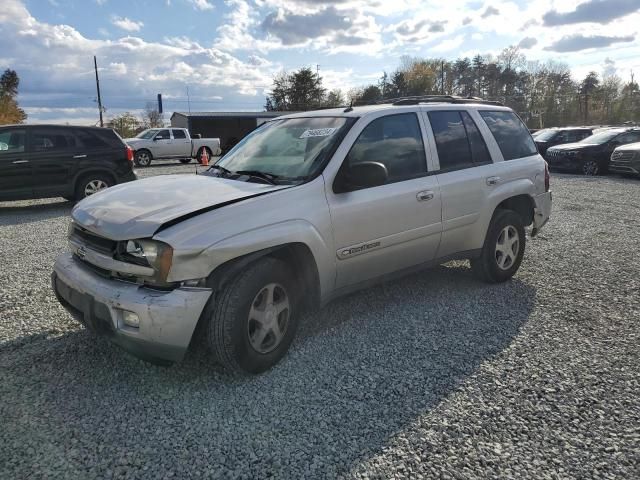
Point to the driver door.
(390, 227)
(161, 145)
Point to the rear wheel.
(142, 158)
(253, 319)
(503, 248)
(92, 184)
(185, 160)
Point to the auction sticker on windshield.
(318, 132)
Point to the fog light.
(130, 319)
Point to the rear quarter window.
(510, 133)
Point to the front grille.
(94, 242)
(622, 158)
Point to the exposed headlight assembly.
(157, 255)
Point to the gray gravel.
(435, 375)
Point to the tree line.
(543, 93)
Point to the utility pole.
(188, 100)
(95, 65)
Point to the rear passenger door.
(465, 175)
(54, 155)
(383, 229)
(181, 146)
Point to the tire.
(590, 168)
(142, 158)
(91, 184)
(199, 154)
(236, 336)
(185, 160)
(505, 234)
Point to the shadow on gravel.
(19, 213)
(362, 370)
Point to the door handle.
(493, 180)
(16, 162)
(424, 196)
(79, 156)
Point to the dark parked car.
(551, 137)
(591, 156)
(38, 161)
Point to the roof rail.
(438, 99)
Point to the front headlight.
(157, 255)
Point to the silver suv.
(306, 208)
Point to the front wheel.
(204, 151)
(253, 319)
(185, 160)
(590, 168)
(503, 248)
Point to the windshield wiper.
(269, 177)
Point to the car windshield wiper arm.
(269, 177)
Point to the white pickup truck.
(170, 143)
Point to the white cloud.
(202, 4)
(127, 24)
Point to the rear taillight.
(547, 177)
(129, 154)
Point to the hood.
(575, 146)
(133, 140)
(138, 209)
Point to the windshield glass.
(602, 137)
(147, 134)
(289, 149)
(546, 135)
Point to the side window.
(510, 133)
(479, 150)
(396, 142)
(12, 141)
(630, 137)
(162, 135)
(452, 143)
(179, 134)
(52, 140)
(90, 139)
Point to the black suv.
(591, 156)
(551, 137)
(38, 161)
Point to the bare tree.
(152, 118)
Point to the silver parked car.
(306, 208)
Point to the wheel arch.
(523, 204)
(295, 254)
(145, 149)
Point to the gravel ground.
(435, 375)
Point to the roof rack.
(437, 99)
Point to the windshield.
(602, 137)
(546, 135)
(147, 134)
(288, 149)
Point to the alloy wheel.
(94, 186)
(507, 247)
(268, 318)
(590, 167)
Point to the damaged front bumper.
(167, 320)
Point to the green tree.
(10, 112)
(298, 91)
(127, 125)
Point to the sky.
(222, 54)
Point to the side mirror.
(367, 175)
